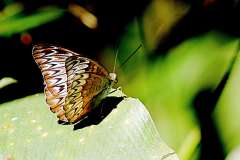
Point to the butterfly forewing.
(72, 82)
(51, 61)
(86, 79)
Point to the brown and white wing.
(51, 61)
(86, 79)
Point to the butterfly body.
(74, 85)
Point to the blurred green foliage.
(226, 114)
(12, 20)
(169, 84)
(10, 11)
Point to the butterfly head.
(113, 77)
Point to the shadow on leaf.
(98, 114)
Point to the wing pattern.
(86, 79)
(51, 61)
(71, 82)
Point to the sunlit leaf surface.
(234, 154)
(30, 131)
(6, 81)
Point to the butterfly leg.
(115, 89)
(119, 88)
(112, 91)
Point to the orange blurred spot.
(207, 3)
(87, 18)
(26, 38)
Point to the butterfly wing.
(86, 79)
(51, 61)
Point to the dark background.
(204, 15)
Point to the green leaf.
(227, 110)
(28, 130)
(6, 81)
(10, 11)
(190, 145)
(21, 24)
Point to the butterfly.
(74, 84)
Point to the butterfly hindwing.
(85, 80)
(73, 84)
(51, 61)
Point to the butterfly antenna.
(133, 53)
(115, 61)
